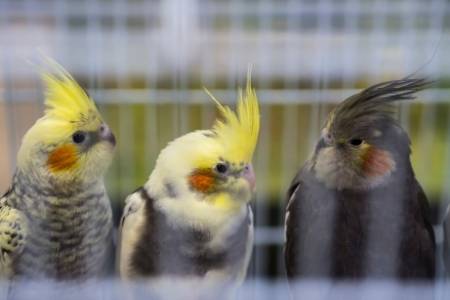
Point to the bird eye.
(78, 137)
(221, 168)
(356, 142)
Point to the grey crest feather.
(374, 103)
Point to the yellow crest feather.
(238, 131)
(65, 99)
(68, 109)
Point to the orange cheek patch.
(202, 181)
(377, 162)
(62, 158)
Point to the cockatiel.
(355, 209)
(192, 218)
(56, 219)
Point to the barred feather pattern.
(68, 232)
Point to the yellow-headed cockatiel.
(55, 220)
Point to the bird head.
(362, 144)
(70, 143)
(214, 165)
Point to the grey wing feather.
(304, 205)
(447, 241)
(425, 209)
(290, 230)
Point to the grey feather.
(447, 241)
(374, 104)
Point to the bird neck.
(31, 183)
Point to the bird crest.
(238, 131)
(373, 104)
(67, 109)
(65, 100)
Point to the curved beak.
(249, 175)
(107, 135)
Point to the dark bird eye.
(78, 137)
(221, 168)
(355, 142)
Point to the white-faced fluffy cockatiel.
(356, 209)
(55, 220)
(192, 218)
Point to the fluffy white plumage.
(187, 192)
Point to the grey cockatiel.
(55, 220)
(355, 209)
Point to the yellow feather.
(225, 202)
(238, 131)
(67, 110)
(65, 99)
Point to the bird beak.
(107, 135)
(249, 175)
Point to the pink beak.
(249, 175)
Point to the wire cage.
(145, 62)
